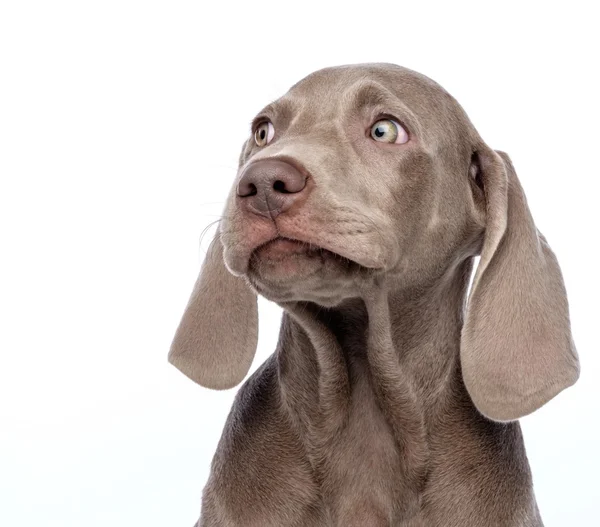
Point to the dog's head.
(356, 170)
(371, 170)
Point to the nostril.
(247, 189)
(279, 186)
(289, 185)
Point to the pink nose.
(271, 186)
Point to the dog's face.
(356, 171)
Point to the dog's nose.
(271, 186)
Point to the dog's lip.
(286, 246)
(239, 259)
(291, 247)
(283, 246)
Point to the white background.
(120, 127)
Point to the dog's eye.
(264, 133)
(388, 131)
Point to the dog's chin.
(285, 270)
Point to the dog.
(362, 199)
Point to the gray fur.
(391, 399)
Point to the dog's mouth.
(283, 257)
(282, 247)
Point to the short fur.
(391, 399)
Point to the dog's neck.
(388, 361)
(425, 325)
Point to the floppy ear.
(517, 352)
(216, 339)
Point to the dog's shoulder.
(260, 467)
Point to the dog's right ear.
(216, 339)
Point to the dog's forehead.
(392, 76)
(318, 95)
(407, 85)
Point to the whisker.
(205, 230)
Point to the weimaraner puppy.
(362, 197)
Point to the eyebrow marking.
(374, 95)
(370, 93)
(279, 109)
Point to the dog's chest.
(362, 472)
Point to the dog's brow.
(370, 94)
(373, 95)
(280, 109)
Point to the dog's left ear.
(517, 352)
